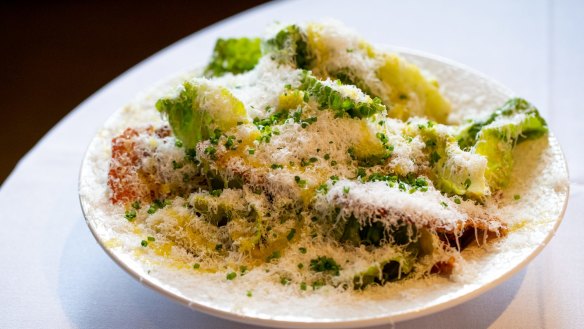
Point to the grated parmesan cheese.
(292, 184)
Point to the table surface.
(54, 274)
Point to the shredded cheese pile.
(297, 189)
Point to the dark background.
(54, 54)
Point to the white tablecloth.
(53, 274)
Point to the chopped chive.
(176, 165)
(130, 215)
(210, 150)
(290, 235)
(299, 181)
(243, 269)
(322, 188)
(229, 143)
(275, 255)
(144, 243)
(136, 205)
(382, 137)
(325, 264)
(231, 275)
(157, 204)
(196, 266)
(151, 239)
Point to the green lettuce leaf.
(494, 138)
(289, 46)
(200, 110)
(331, 98)
(235, 56)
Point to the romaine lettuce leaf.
(199, 110)
(453, 170)
(236, 55)
(289, 47)
(410, 92)
(330, 97)
(494, 138)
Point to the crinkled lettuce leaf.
(494, 138)
(453, 170)
(289, 46)
(330, 97)
(235, 55)
(199, 110)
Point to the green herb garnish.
(325, 264)
(291, 234)
(130, 215)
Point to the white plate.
(536, 217)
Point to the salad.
(312, 159)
